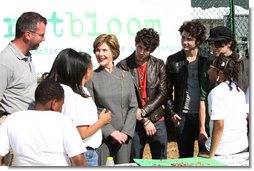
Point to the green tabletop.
(185, 162)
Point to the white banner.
(76, 23)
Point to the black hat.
(220, 33)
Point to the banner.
(76, 24)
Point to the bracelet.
(143, 113)
(144, 120)
(146, 123)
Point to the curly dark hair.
(48, 90)
(229, 67)
(195, 29)
(149, 37)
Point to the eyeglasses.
(211, 66)
(217, 44)
(41, 35)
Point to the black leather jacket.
(177, 73)
(156, 85)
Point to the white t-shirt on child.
(229, 106)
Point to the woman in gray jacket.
(113, 89)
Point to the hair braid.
(230, 68)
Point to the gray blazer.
(115, 92)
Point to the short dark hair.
(28, 22)
(149, 37)
(48, 90)
(195, 29)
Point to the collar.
(18, 54)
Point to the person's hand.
(119, 137)
(150, 128)
(202, 137)
(105, 116)
(124, 138)
(138, 115)
(176, 120)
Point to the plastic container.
(110, 161)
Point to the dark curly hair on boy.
(149, 37)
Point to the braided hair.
(230, 68)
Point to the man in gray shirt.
(17, 73)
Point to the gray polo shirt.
(17, 80)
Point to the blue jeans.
(157, 143)
(91, 157)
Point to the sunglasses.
(217, 44)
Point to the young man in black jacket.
(184, 70)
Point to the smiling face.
(221, 48)
(188, 42)
(104, 55)
(37, 37)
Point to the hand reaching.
(105, 116)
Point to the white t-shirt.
(40, 138)
(229, 106)
(247, 96)
(82, 111)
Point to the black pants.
(157, 143)
(187, 134)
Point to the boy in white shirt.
(43, 136)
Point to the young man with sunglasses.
(223, 43)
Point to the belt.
(90, 148)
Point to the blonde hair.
(111, 40)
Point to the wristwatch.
(143, 113)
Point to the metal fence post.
(232, 15)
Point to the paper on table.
(186, 162)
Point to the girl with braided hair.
(222, 42)
(229, 67)
(227, 110)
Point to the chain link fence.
(231, 13)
